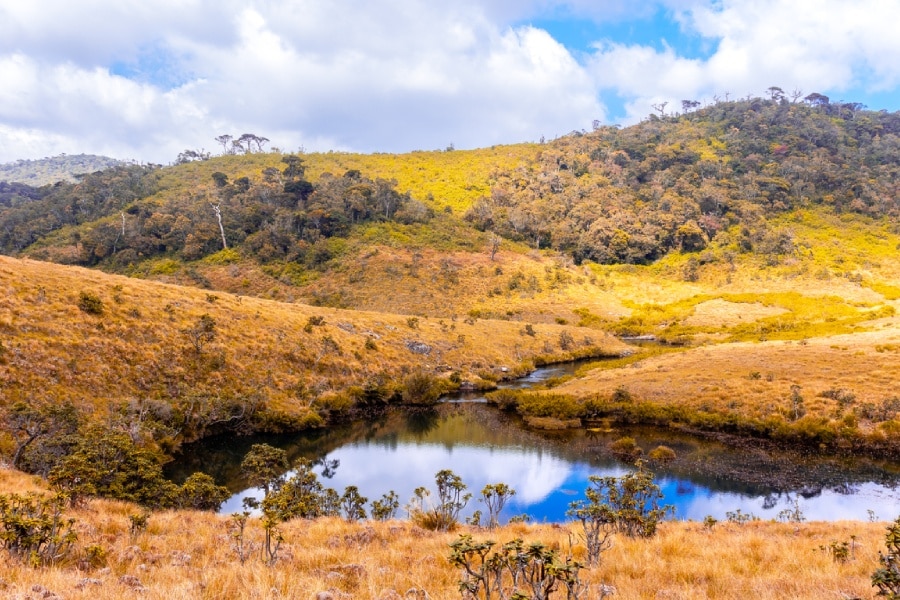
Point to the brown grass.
(188, 555)
(138, 348)
(755, 379)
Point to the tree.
(816, 99)
(295, 168)
(218, 212)
(42, 432)
(353, 504)
(224, 139)
(221, 179)
(775, 93)
(264, 467)
(203, 332)
(200, 492)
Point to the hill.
(276, 292)
(179, 362)
(47, 171)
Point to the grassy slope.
(138, 349)
(188, 555)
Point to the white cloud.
(343, 75)
(146, 81)
(826, 46)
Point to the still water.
(401, 450)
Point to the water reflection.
(400, 451)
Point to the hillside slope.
(110, 344)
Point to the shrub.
(353, 504)
(626, 447)
(451, 499)
(628, 505)
(90, 303)
(515, 570)
(33, 530)
(200, 492)
(887, 578)
(386, 508)
(495, 496)
(421, 388)
(662, 454)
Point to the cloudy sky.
(146, 79)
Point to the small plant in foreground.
(709, 522)
(33, 530)
(495, 496)
(887, 578)
(451, 499)
(628, 505)
(515, 570)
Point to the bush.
(662, 454)
(451, 499)
(628, 505)
(33, 530)
(887, 578)
(514, 570)
(421, 388)
(200, 492)
(90, 303)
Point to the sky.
(146, 79)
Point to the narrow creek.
(401, 450)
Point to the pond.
(401, 450)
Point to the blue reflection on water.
(546, 483)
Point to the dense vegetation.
(718, 176)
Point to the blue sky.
(146, 79)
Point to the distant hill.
(47, 171)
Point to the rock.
(418, 347)
(86, 582)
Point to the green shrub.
(442, 515)
(628, 505)
(887, 578)
(420, 388)
(200, 492)
(33, 530)
(90, 303)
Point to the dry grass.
(138, 348)
(188, 555)
(755, 379)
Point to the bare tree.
(494, 242)
(218, 212)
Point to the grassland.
(139, 346)
(189, 555)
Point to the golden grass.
(755, 379)
(138, 347)
(188, 555)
